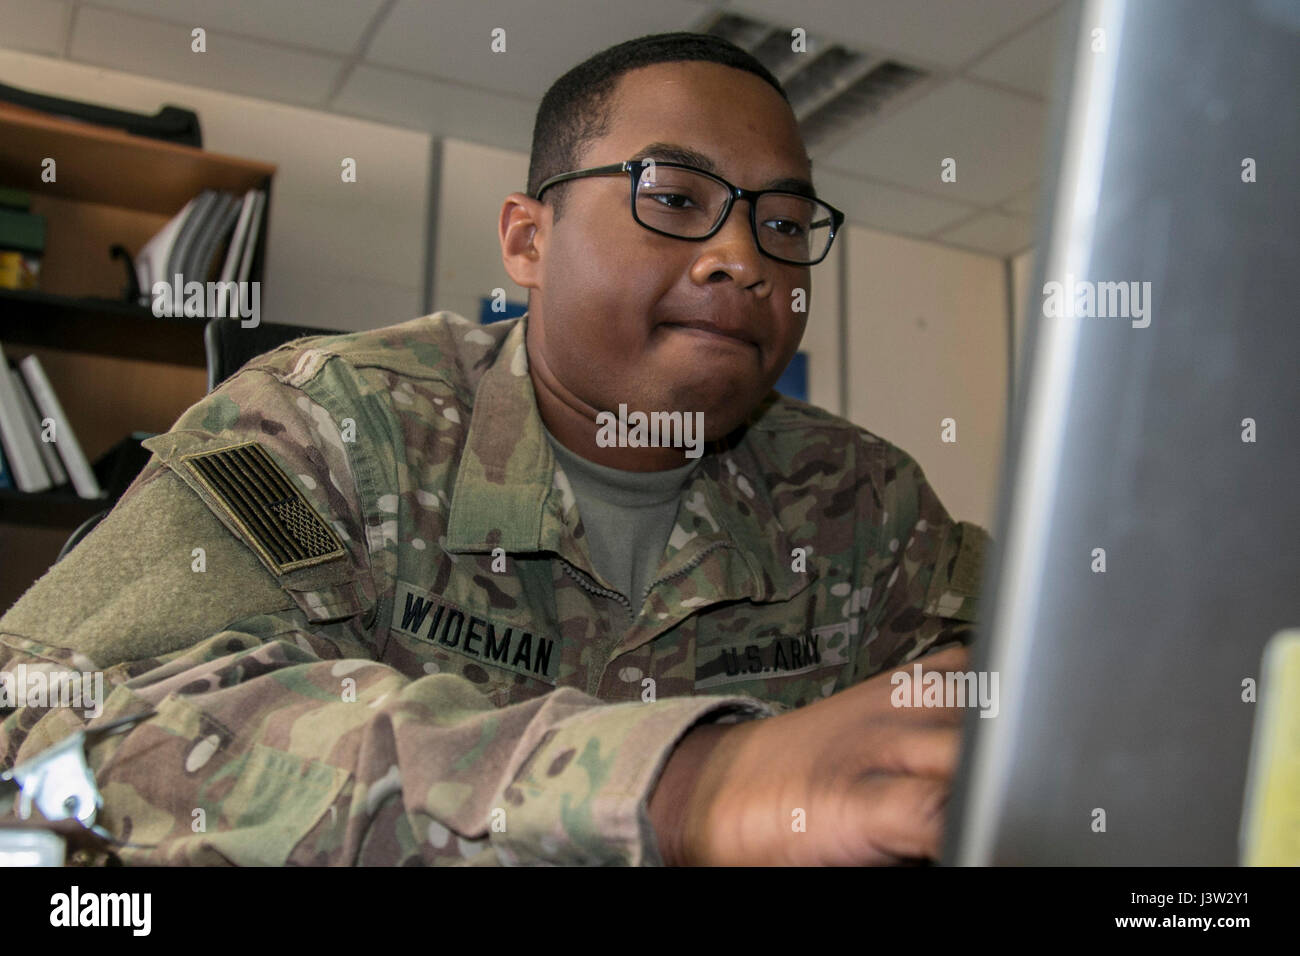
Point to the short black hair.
(576, 109)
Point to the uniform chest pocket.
(779, 665)
(505, 661)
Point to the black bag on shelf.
(171, 124)
(118, 467)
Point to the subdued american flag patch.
(265, 504)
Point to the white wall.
(822, 336)
(473, 184)
(339, 255)
(927, 340)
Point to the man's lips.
(735, 333)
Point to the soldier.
(394, 598)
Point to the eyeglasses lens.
(686, 204)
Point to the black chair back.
(229, 345)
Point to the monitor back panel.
(1162, 441)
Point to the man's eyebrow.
(676, 153)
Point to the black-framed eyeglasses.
(684, 202)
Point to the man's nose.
(733, 249)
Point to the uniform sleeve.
(928, 595)
(278, 738)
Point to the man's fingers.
(920, 752)
(902, 818)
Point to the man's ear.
(523, 228)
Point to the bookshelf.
(116, 367)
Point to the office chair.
(229, 346)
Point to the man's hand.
(872, 779)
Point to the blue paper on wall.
(487, 316)
(793, 382)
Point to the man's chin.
(726, 398)
(722, 419)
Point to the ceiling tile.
(441, 108)
(1025, 61)
(451, 39)
(995, 137)
(884, 207)
(991, 232)
(336, 27)
(36, 25)
(943, 33)
(158, 49)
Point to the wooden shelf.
(111, 188)
(99, 326)
(100, 165)
(116, 368)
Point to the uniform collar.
(511, 494)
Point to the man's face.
(609, 295)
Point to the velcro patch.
(782, 655)
(506, 646)
(266, 506)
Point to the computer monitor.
(1148, 537)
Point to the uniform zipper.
(601, 657)
(689, 566)
(597, 672)
(581, 578)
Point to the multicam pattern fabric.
(442, 691)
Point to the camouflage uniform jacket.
(354, 586)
